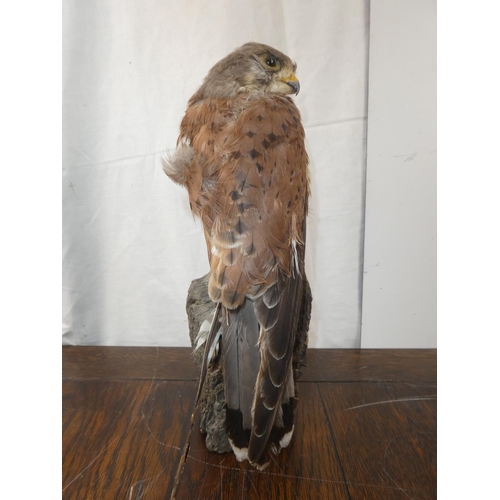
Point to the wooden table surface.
(365, 429)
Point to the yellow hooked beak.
(292, 81)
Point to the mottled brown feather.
(244, 183)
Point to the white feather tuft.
(240, 453)
(285, 440)
(295, 258)
(177, 162)
(201, 338)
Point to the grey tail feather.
(275, 381)
(212, 334)
(240, 361)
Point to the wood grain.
(386, 437)
(370, 365)
(365, 429)
(120, 363)
(122, 440)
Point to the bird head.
(253, 68)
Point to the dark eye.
(271, 61)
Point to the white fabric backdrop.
(130, 245)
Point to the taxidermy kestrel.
(241, 156)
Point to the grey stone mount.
(212, 403)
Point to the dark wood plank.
(371, 365)
(386, 438)
(123, 363)
(127, 417)
(123, 439)
(176, 363)
(307, 469)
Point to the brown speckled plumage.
(241, 156)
